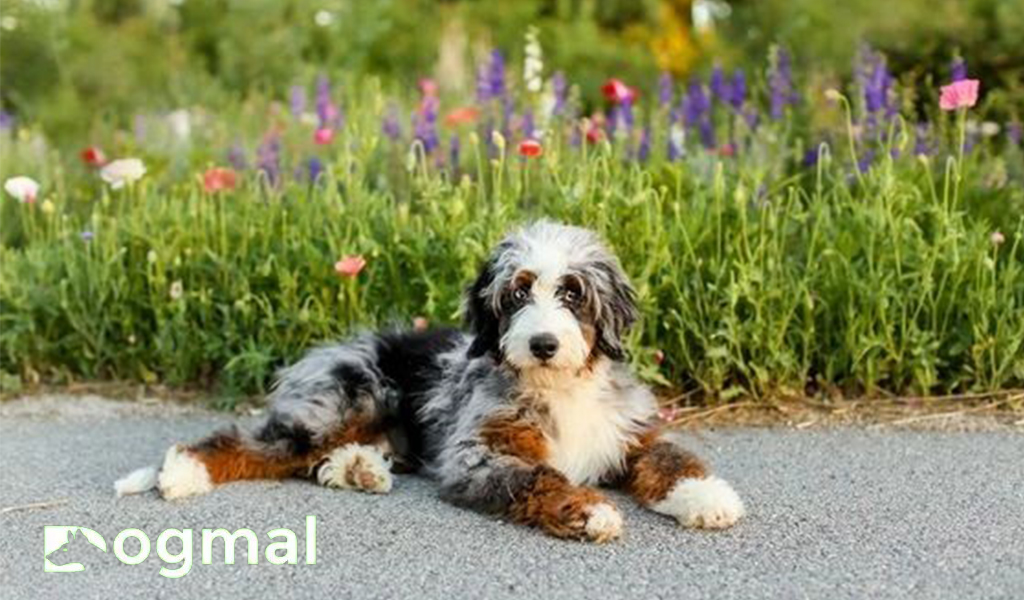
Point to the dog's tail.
(137, 482)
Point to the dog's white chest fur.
(588, 432)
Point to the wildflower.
(323, 136)
(323, 18)
(122, 171)
(1015, 132)
(594, 133)
(428, 87)
(989, 129)
(180, 123)
(350, 266)
(268, 159)
(420, 324)
(719, 87)
(47, 207)
(6, 121)
(665, 90)
(219, 179)
(530, 148)
(643, 151)
(833, 95)
(498, 140)
(93, 156)
(23, 189)
(997, 238)
(738, 89)
(177, 290)
(780, 82)
(961, 94)
(297, 100)
(533, 64)
(617, 92)
(676, 139)
(87, 236)
(527, 126)
(495, 75)
(559, 88)
(151, 257)
(462, 116)
(424, 123)
(315, 168)
(866, 160)
(958, 70)
(726, 150)
(390, 126)
(922, 140)
(236, 157)
(327, 113)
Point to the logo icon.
(65, 545)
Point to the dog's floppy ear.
(479, 313)
(618, 310)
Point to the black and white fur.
(545, 320)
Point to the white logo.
(63, 545)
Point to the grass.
(756, 277)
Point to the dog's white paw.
(708, 503)
(604, 523)
(182, 475)
(358, 468)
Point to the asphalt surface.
(831, 514)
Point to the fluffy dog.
(519, 416)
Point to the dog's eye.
(520, 294)
(571, 296)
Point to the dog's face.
(550, 297)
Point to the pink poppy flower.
(617, 92)
(461, 116)
(93, 156)
(428, 87)
(350, 266)
(323, 136)
(218, 179)
(23, 189)
(420, 324)
(530, 148)
(960, 94)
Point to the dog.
(522, 415)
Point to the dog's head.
(550, 297)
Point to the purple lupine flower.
(665, 90)
(958, 71)
(866, 160)
(496, 75)
(780, 83)
(560, 88)
(268, 158)
(611, 124)
(719, 87)
(483, 84)
(315, 168)
(236, 157)
(528, 128)
(923, 140)
(643, 151)
(707, 132)
(811, 157)
(695, 103)
(326, 111)
(626, 114)
(297, 100)
(390, 126)
(506, 116)
(1014, 132)
(424, 123)
(87, 236)
(738, 89)
(454, 151)
(6, 121)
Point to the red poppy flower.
(218, 179)
(323, 136)
(530, 148)
(617, 92)
(93, 156)
(595, 134)
(462, 116)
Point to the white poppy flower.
(23, 189)
(123, 171)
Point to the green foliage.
(884, 281)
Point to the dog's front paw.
(356, 467)
(603, 522)
(708, 503)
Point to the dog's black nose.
(544, 345)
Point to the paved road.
(832, 514)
